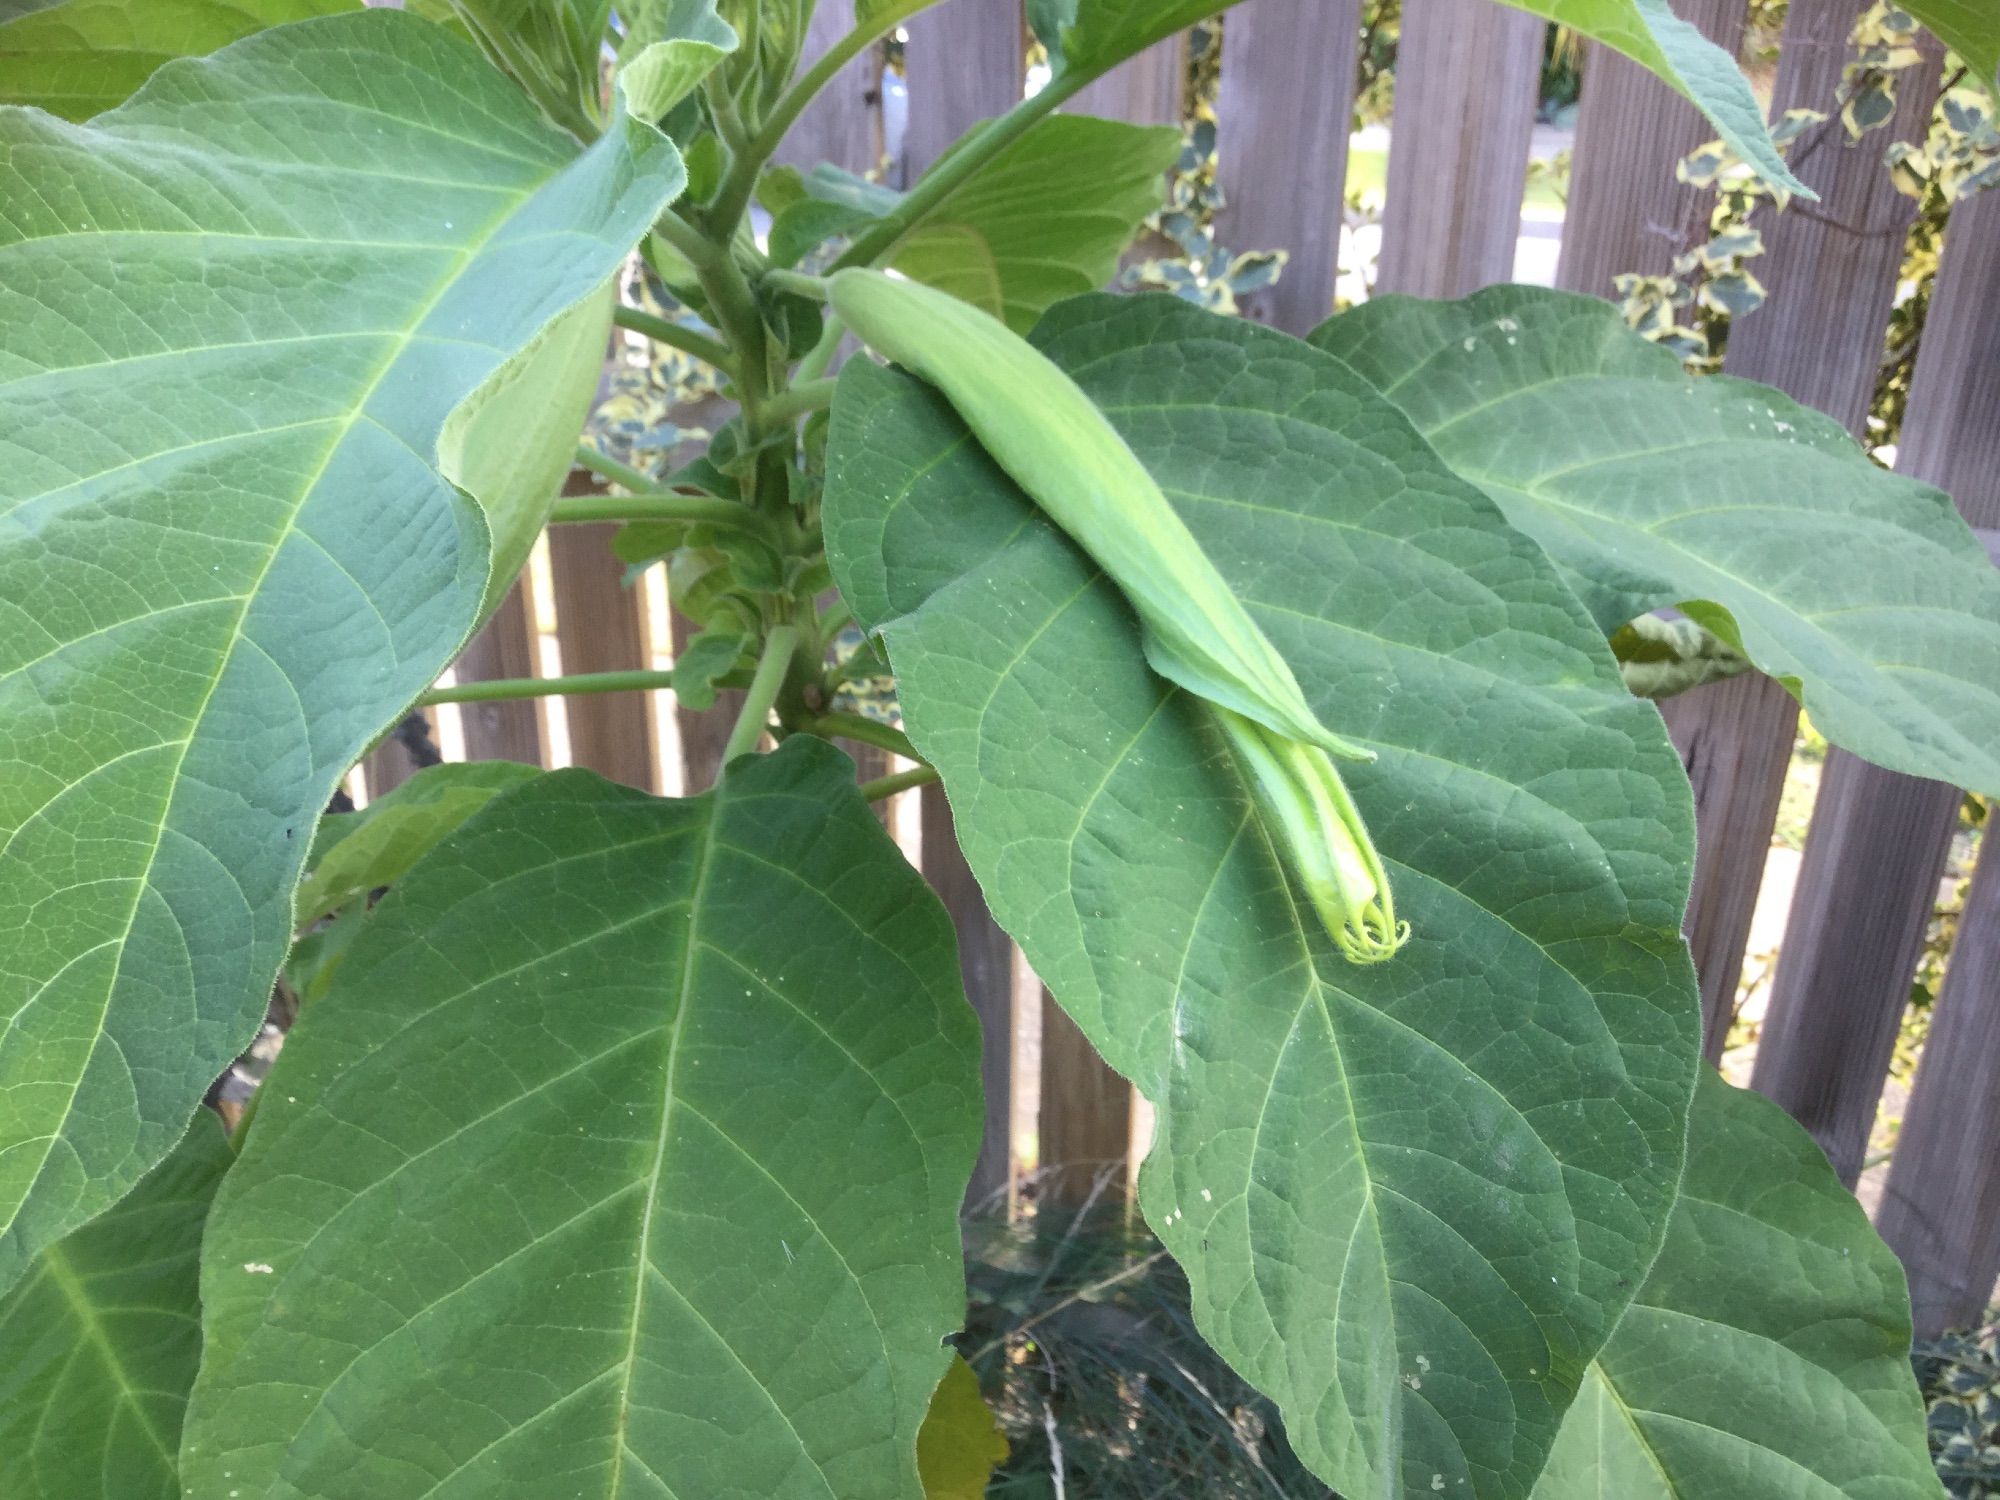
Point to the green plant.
(618, 1146)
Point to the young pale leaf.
(355, 853)
(669, 51)
(1864, 592)
(1413, 1197)
(1768, 1352)
(236, 314)
(102, 1338)
(622, 1159)
(1045, 219)
(76, 58)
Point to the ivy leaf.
(227, 556)
(1971, 28)
(102, 1339)
(1759, 517)
(960, 1444)
(1768, 1352)
(623, 1158)
(76, 58)
(1407, 1194)
(1045, 219)
(358, 852)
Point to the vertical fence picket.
(601, 625)
(1467, 74)
(1283, 112)
(503, 648)
(1831, 268)
(963, 63)
(844, 124)
(1626, 212)
(1145, 89)
(1878, 840)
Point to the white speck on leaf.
(258, 1268)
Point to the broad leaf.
(354, 853)
(959, 1444)
(667, 55)
(102, 1338)
(1045, 219)
(76, 58)
(1862, 590)
(1971, 28)
(236, 316)
(1411, 1198)
(622, 1159)
(1768, 1353)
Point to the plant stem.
(799, 283)
(697, 509)
(734, 196)
(779, 648)
(802, 399)
(505, 689)
(944, 179)
(867, 731)
(813, 366)
(901, 781)
(622, 475)
(735, 308)
(709, 351)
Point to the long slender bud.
(1051, 439)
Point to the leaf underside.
(622, 1159)
(1862, 590)
(1768, 1352)
(235, 316)
(1411, 1198)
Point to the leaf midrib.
(57, 1267)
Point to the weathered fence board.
(503, 648)
(1282, 122)
(1941, 1209)
(1467, 75)
(1626, 212)
(844, 124)
(962, 64)
(601, 626)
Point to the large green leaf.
(623, 1159)
(668, 51)
(76, 58)
(1862, 590)
(1971, 28)
(102, 1338)
(1411, 1198)
(1045, 219)
(235, 316)
(1768, 1353)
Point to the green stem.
(779, 648)
(799, 283)
(901, 781)
(608, 468)
(866, 731)
(813, 366)
(734, 196)
(801, 400)
(696, 509)
(735, 307)
(674, 336)
(944, 179)
(506, 689)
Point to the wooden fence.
(1466, 94)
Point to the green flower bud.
(1050, 438)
